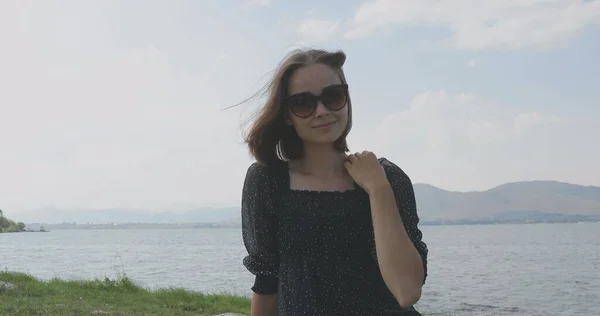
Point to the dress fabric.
(316, 249)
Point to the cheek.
(301, 126)
(304, 129)
(343, 116)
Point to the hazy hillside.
(200, 215)
(524, 200)
(512, 202)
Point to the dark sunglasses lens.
(302, 106)
(335, 98)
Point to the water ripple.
(524, 270)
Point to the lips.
(324, 125)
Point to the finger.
(352, 158)
(348, 165)
(368, 154)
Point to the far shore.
(25, 231)
(74, 226)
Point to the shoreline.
(27, 231)
(126, 226)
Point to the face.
(317, 104)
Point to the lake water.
(524, 270)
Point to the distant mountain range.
(199, 215)
(532, 201)
(511, 202)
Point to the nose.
(321, 110)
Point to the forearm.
(400, 263)
(264, 305)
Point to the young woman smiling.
(327, 232)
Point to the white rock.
(5, 286)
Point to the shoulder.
(260, 175)
(256, 170)
(394, 173)
(262, 171)
(391, 168)
(255, 182)
(256, 175)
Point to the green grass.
(10, 226)
(108, 297)
(113, 297)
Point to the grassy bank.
(10, 226)
(108, 297)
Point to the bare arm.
(264, 305)
(399, 261)
(401, 254)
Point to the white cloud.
(105, 105)
(126, 126)
(96, 117)
(473, 62)
(315, 31)
(256, 3)
(440, 121)
(463, 142)
(478, 25)
(526, 121)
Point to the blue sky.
(118, 104)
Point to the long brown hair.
(270, 139)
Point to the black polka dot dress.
(316, 249)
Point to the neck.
(322, 160)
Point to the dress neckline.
(283, 172)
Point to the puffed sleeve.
(259, 229)
(407, 206)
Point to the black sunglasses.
(304, 104)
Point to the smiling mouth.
(325, 125)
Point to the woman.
(327, 233)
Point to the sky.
(120, 104)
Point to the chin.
(322, 137)
(325, 139)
